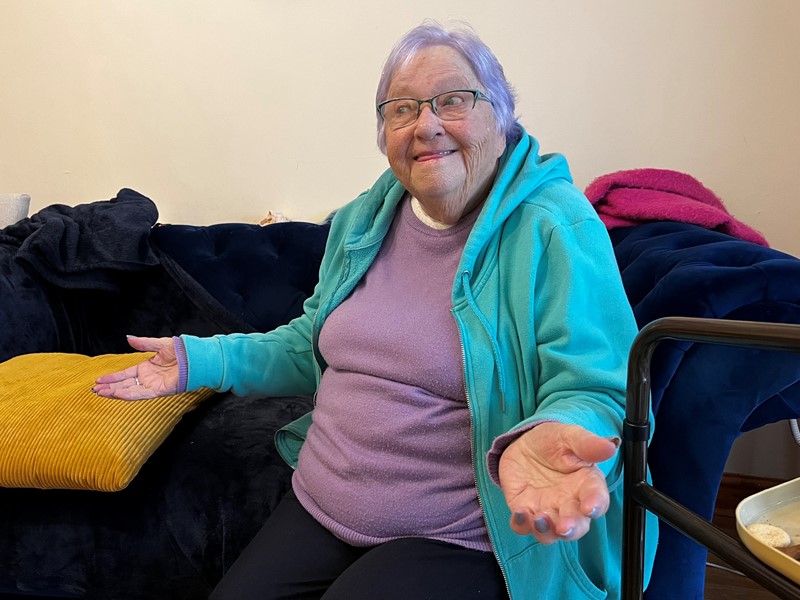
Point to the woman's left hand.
(551, 482)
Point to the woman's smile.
(428, 156)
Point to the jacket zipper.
(317, 366)
(472, 453)
(498, 360)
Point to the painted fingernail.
(541, 525)
(614, 439)
(519, 518)
(568, 533)
(595, 512)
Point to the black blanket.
(79, 279)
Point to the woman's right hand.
(156, 376)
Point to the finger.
(546, 527)
(566, 523)
(594, 498)
(147, 344)
(138, 392)
(539, 526)
(570, 518)
(569, 522)
(128, 389)
(521, 523)
(118, 385)
(571, 528)
(543, 528)
(119, 376)
(591, 448)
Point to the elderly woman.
(466, 345)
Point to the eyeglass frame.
(476, 95)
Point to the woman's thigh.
(292, 556)
(295, 557)
(411, 569)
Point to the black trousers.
(295, 557)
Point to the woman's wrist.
(183, 363)
(501, 443)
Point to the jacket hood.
(376, 209)
(522, 172)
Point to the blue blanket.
(706, 395)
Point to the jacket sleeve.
(584, 330)
(278, 363)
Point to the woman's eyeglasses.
(448, 106)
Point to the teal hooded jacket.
(545, 329)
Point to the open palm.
(551, 482)
(156, 376)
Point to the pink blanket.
(628, 198)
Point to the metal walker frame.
(640, 496)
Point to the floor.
(722, 584)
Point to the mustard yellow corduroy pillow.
(56, 433)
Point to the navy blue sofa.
(87, 275)
(78, 279)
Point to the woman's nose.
(428, 123)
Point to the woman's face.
(448, 166)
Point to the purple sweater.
(388, 455)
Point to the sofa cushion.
(56, 433)
(260, 274)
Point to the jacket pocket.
(551, 571)
(289, 439)
(569, 557)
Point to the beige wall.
(221, 110)
(769, 451)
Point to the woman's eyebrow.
(456, 82)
